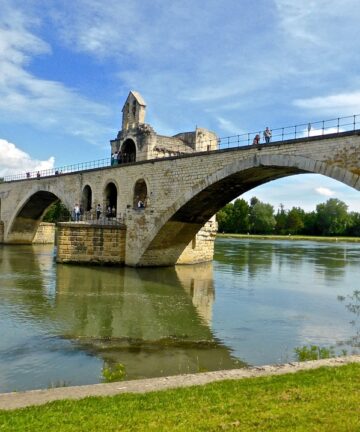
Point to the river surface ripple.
(255, 303)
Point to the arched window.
(86, 199)
(110, 201)
(128, 151)
(140, 194)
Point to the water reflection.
(256, 302)
(329, 259)
(352, 304)
(154, 321)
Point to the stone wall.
(84, 243)
(201, 248)
(183, 193)
(45, 233)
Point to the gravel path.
(9, 401)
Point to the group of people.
(267, 136)
(78, 212)
(120, 157)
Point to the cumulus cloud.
(325, 191)
(13, 160)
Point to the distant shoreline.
(289, 237)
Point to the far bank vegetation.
(331, 218)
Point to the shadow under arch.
(177, 227)
(24, 225)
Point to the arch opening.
(25, 224)
(110, 199)
(86, 198)
(140, 194)
(182, 226)
(128, 151)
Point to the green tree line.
(331, 218)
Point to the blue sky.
(232, 66)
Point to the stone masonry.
(183, 192)
(45, 234)
(80, 242)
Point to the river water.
(256, 302)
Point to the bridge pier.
(104, 244)
(91, 243)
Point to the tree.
(241, 215)
(234, 217)
(353, 228)
(295, 220)
(332, 217)
(310, 224)
(262, 220)
(57, 212)
(281, 220)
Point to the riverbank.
(290, 237)
(271, 399)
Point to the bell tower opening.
(128, 151)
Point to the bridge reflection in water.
(155, 322)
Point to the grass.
(325, 399)
(290, 237)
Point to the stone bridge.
(181, 194)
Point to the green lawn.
(326, 399)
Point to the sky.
(232, 66)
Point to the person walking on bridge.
(267, 135)
(77, 212)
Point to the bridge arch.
(179, 224)
(27, 216)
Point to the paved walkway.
(10, 401)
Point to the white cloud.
(325, 191)
(13, 160)
(45, 104)
(344, 103)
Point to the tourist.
(140, 204)
(77, 212)
(267, 135)
(256, 139)
(38, 174)
(98, 211)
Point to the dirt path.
(10, 401)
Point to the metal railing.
(279, 135)
(89, 218)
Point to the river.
(254, 304)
